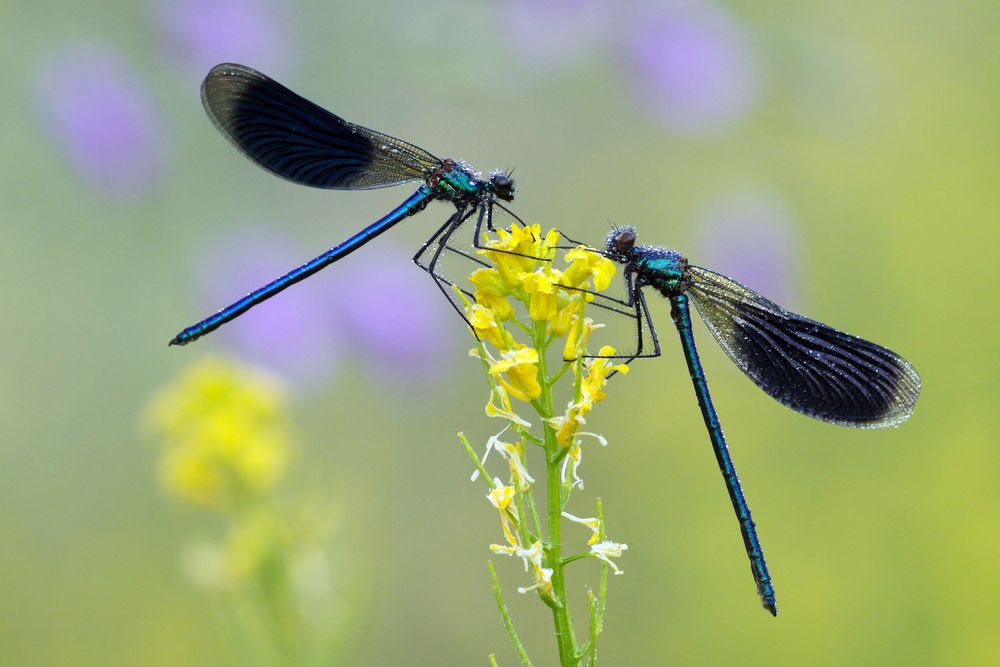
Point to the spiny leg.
(640, 316)
(435, 236)
(440, 238)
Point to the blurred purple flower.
(381, 312)
(554, 33)
(692, 64)
(202, 33)
(103, 119)
(397, 319)
(750, 237)
(293, 333)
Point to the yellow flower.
(508, 253)
(484, 324)
(540, 288)
(586, 264)
(592, 389)
(224, 434)
(567, 424)
(515, 253)
(505, 411)
(579, 335)
(517, 372)
(502, 498)
(591, 392)
(492, 292)
(567, 315)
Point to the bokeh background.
(842, 158)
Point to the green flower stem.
(534, 513)
(575, 557)
(505, 615)
(560, 611)
(283, 622)
(522, 520)
(602, 590)
(533, 439)
(591, 648)
(565, 367)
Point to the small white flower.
(605, 550)
(514, 453)
(531, 557)
(597, 436)
(575, 455)
(543, 575)
(490, 446)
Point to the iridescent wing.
(809, 367)
(302, 142)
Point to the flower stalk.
(225, 450)
(529, 316)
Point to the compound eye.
(624, 240)
(503, 187)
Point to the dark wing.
(811, 368)
(300, 141)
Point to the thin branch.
(505, 615)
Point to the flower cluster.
(225, 448)
(523, 272)
(521, 306)
(224, 434)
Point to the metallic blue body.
(667, 272)
(681, 315)
(302, 142)
(413, 204)
(803, 364)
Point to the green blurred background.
(840, 157)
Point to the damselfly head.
(502, 185)
(620, 242)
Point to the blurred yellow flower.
(224, 434)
